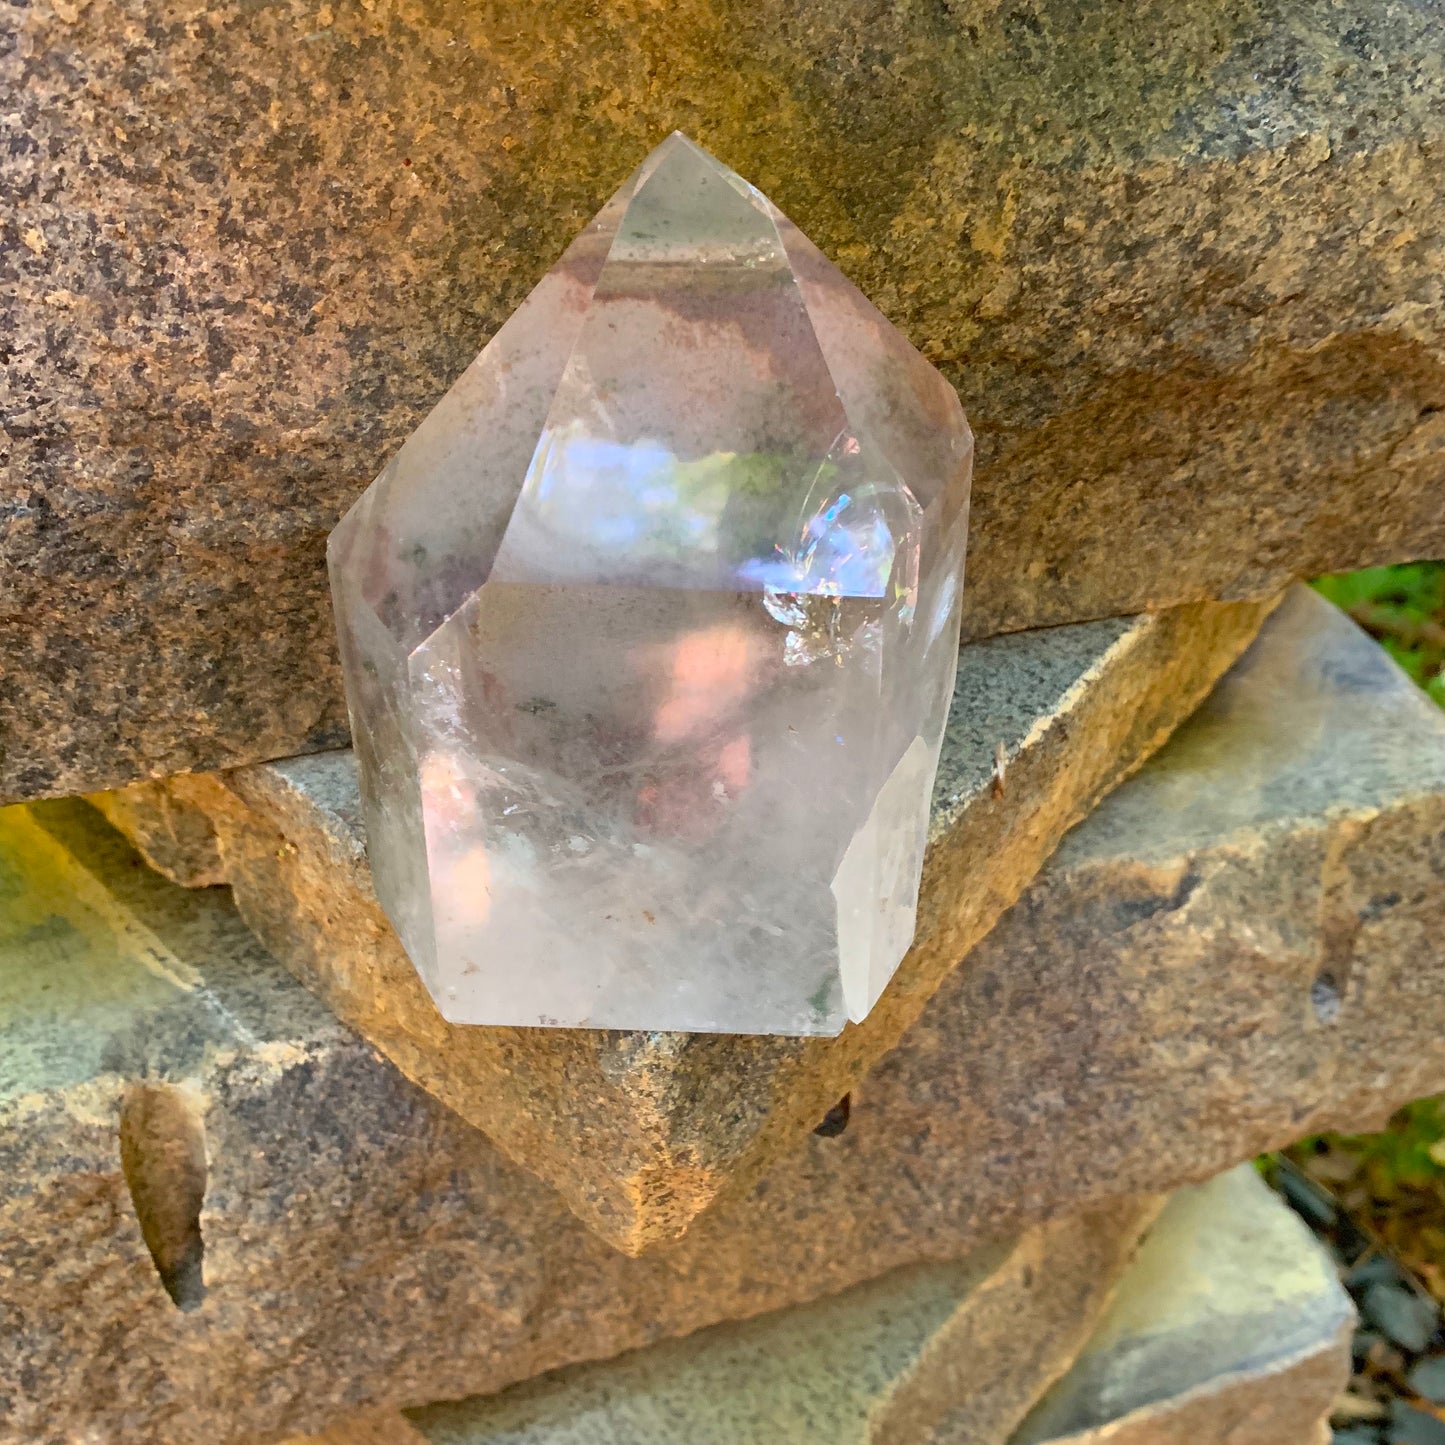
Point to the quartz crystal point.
(649, 633)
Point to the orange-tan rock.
(1229, 1325)
(1212, 965)
(1182, 265)
(642, 1131)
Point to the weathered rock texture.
(1230, 1328)
(641, 1131)
(1237, 948)
(378, 1427)
(179, 838)
(953, 1351)
(1184, 265)
(364, 1246)
(223, 1218)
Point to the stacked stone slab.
(888, 1361)
(1184, 265)
(225, 1217)
(1230, 1325)
(641, 1131)
(1184, 269)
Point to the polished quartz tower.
(649, 633)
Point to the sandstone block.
(641, 1131)
(1185, 270)
(179, 838)
(223, 1218)
(1230, 1326)
(1237, 948)
(952, 1351)
(365, 1247)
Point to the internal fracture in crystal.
(649, 633)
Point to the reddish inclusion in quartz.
(649, 634)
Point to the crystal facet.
(649, 633)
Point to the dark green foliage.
(1404, 607)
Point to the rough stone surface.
(1237, 948)
(180, 840)
(375, 1427)
(1185, 269)
(343, 1204)
(641, 1131)
(361, 1244)
(1231, 1327)
(901, 1360)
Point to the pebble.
(1366, 1340)
(1409, 1426)
(1428, 1379)
(1401, 1314)
(1308, 1199)
(1374, 1269)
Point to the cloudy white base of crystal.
(650, 632)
